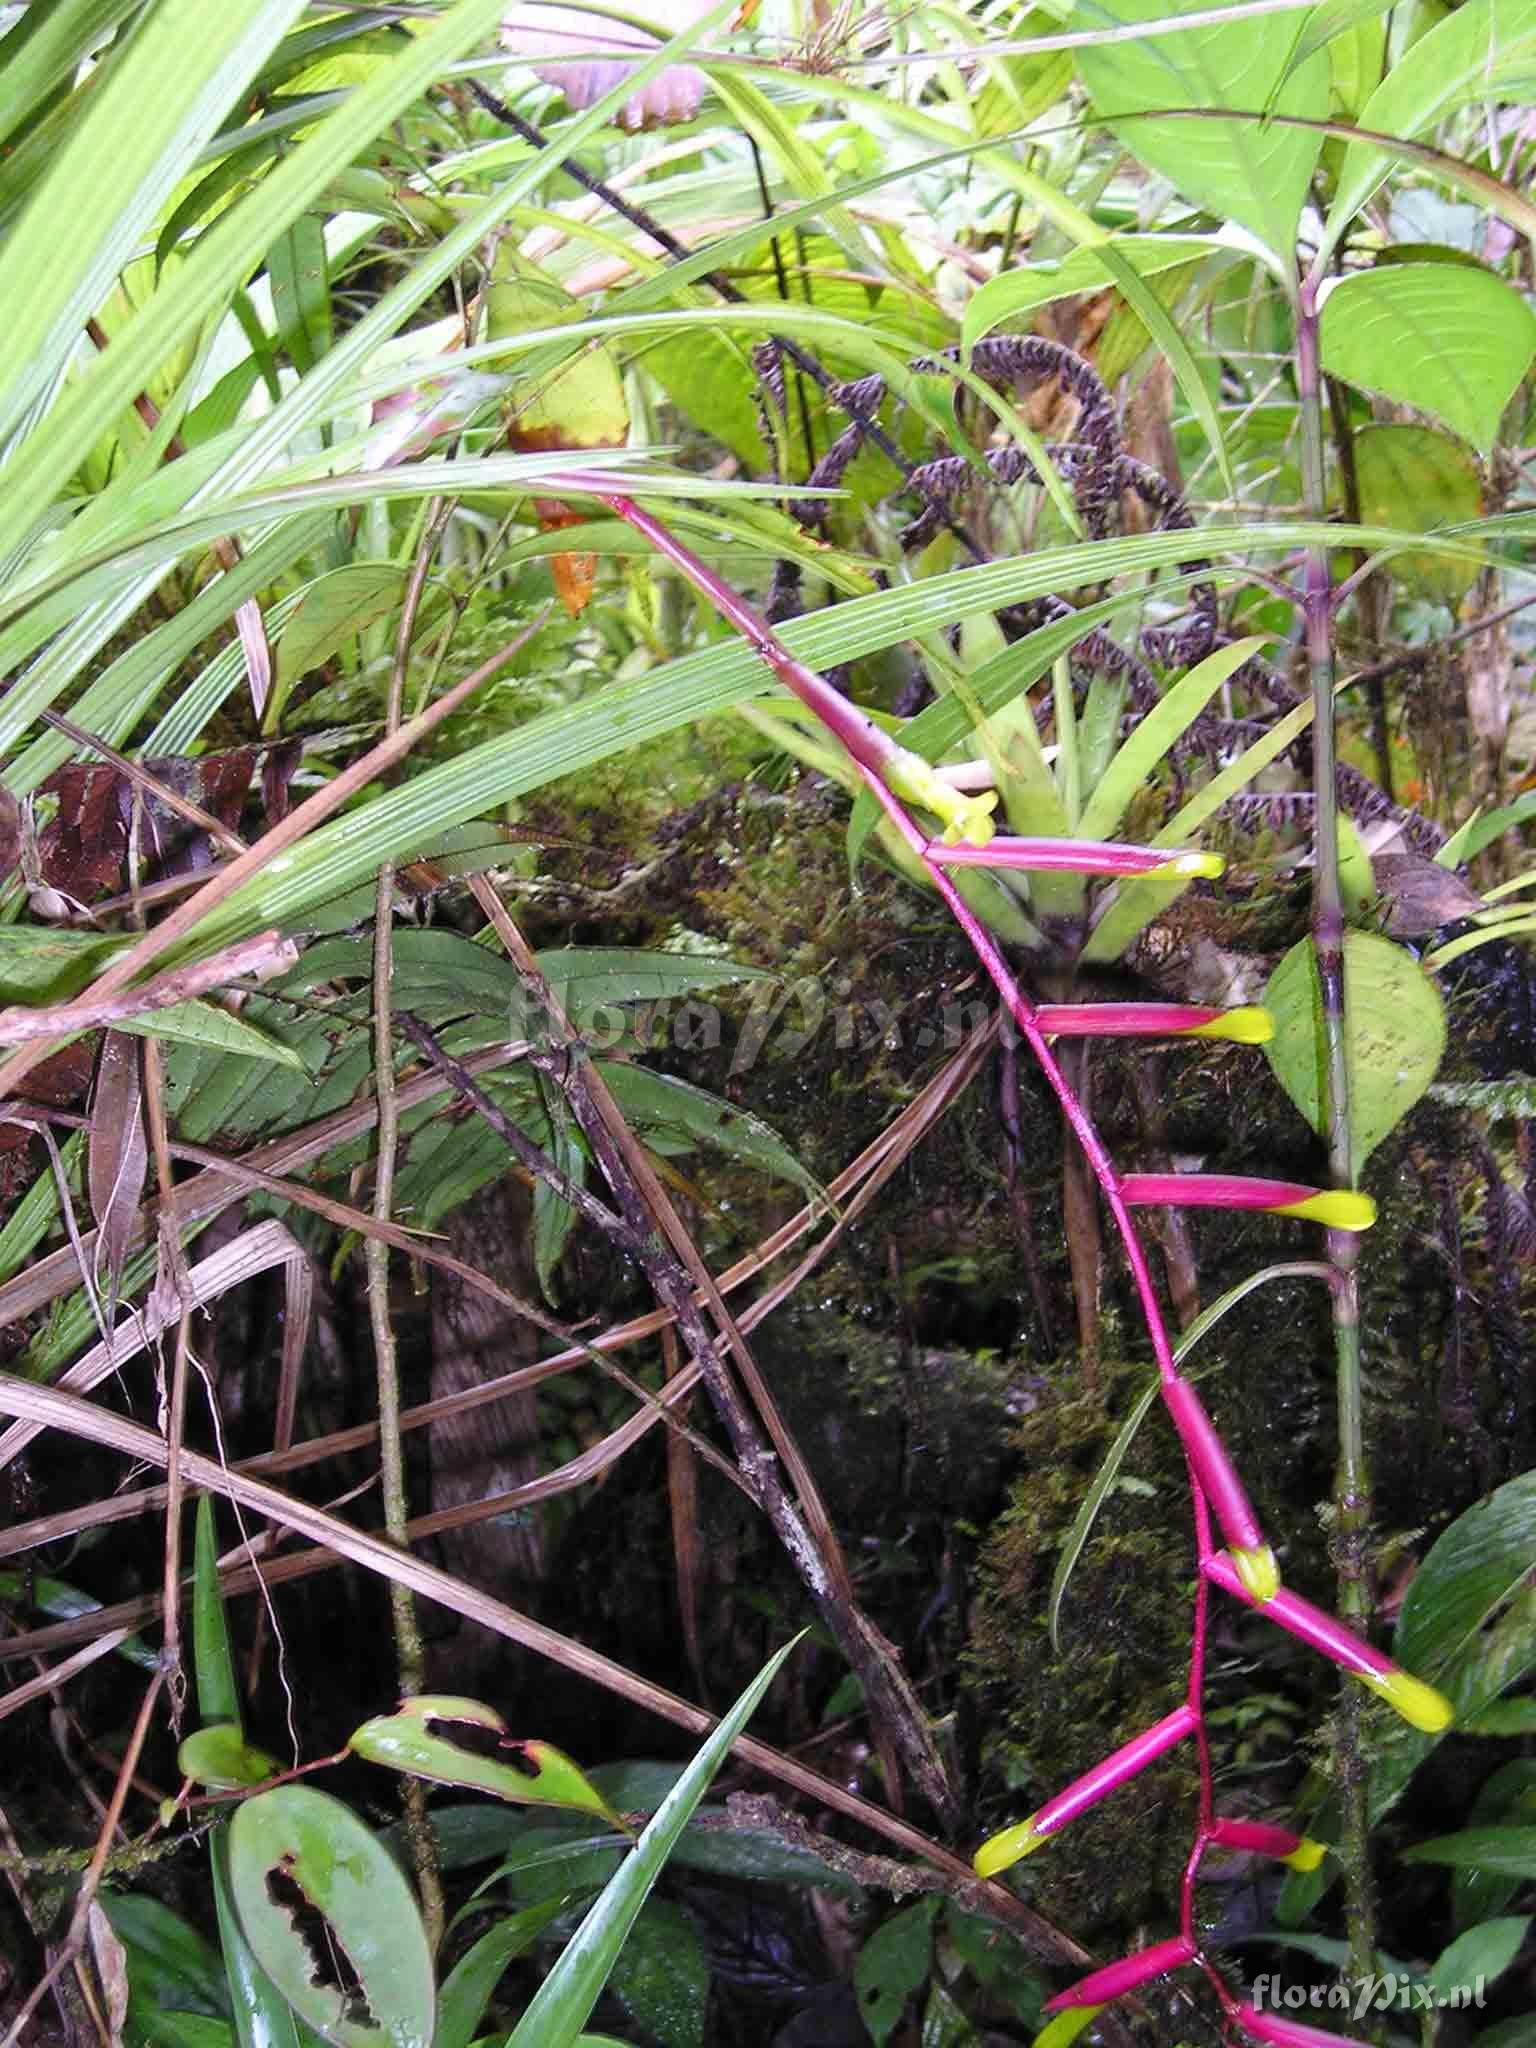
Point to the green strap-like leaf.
(560, 2007)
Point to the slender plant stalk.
(409, 1653)
(1352, 1485)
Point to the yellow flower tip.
(968, 818)
(1011, 1846)
(1339, 1208)
(1066, 2025)
(1258, 1571)
(1419, 1704)
(1247, 1026)
(1189, 867)
(1306, 1855)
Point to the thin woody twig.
(672, 1266)
(410, 1655)
(267, 954)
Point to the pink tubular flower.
(1339, 1208)
(1247, 1026)
(1301, 1852)
(1221, 1486)
(1419, 1704)
(1115, 1979)
(1283, 2033)
(998, 1851)
(1079, 857)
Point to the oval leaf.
(220, 1756)
(331, 1919)
(1413, 476)
(1396, 1034)
(1441, 337)
(430, 1737)
(1238, 170)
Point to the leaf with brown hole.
(464, 1742)
(330, 1918)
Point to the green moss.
(1047, 1718)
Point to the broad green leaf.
(1472, 1570)
(1017, 293)
(419, 1738)
(263, 2018)
(333, 610)
(1235, 170)
(1479, 1956)
(1153, 737)
(165, 90)
(150, 2025)
(1509, 1796)
(1506, 1852)
(467, 1988)
(32, 1217)
(1444, 338)
(1483, 50)
(1395, 1037)
(364, 1978)
(662, 1975)
(665, 1108)
(1503, 1718)
(169, 1962)
(1415, 476)
(208, 1024)
(219, 1756)
(563, 2002)
(892, 1964)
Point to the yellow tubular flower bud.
(1339, 1208)
(1306, 1855)
(1014, 1843)
(1248, 1026)
(1066, 2025)
(1258, 1571)
(1419, 1704)
(1188, 867)
(966, 818)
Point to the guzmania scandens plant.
(1242, 1563)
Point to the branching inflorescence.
(1240, 1562)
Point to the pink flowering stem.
(1322, 1631)
(1153, 1020)
(1258, 1838)
(1114, 1770)
(1418, 1703)
(1116, 1979)
(1213, 1467)
(1076, 856)
(1340, 1208)
(859, 736)
(1284, 2033)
